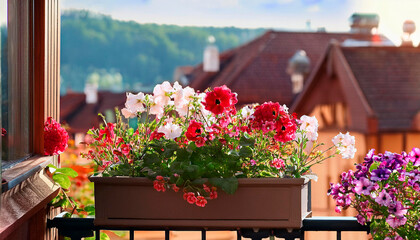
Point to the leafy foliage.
(199, 142)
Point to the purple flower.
(383, 198)
(380, 174)
(391, 160)
(362, 171)
(361, 219)
(414, 156)
(395, 221)
(364, 186)
(397, 209)
(417, 226)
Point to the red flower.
(190, 197)
(219, 100)
(194, 130)
(286, 129)
(3, 132)
(159, 184)
(175, 188)
(200, 142)
(108, 132)
(125, 149)
(55, 137)
(206, 188)
(267, 112)
(201, 201)
(156, 135)
(213, 194)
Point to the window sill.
(24, 170)
(30, 190)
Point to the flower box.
(257, 203)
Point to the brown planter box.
(258, 203)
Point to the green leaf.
(90, 209)
(180, 181)
(192, 171)
(199, 181)
(229, 185)
(67, 171)
(151, 158)
(52, 166)
(245, 152)
(130, 131)
(90, 132)
(62, 180)
(374, 166)
(246, 140)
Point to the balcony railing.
(78, 228)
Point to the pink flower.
(55, 137)
(337, 209)
(201, 201)
(361, 219)
(363, 186)
(397, 209)
(414, 156)
(277, 163)
(383, 198)
(395, 221)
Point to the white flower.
(182, 100)
(135, 102)
(345, 144)
(161, 93)
(177, 86)
(309, 125)
(247, 111)
(285, 108)
(127, 113)
(157, 110)
(170, 130)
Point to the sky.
(333, 15)
(294, 15)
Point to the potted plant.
(197, 144)
(385, 191)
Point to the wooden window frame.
(44, 65)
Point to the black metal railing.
(78, 228)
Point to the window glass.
(15, 78)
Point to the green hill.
(123, 55)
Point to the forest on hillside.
(126, 55)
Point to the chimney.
(211, 61)
(362, 23)
(409, 27)
(299, 66)
(91, 92)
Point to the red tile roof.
(390, 79)
(257, 70)
(81, 116)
